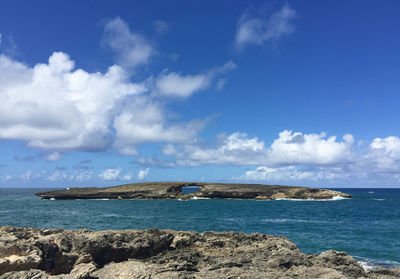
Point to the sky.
(100, 93)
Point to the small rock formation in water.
(162, 254)
(173, 190)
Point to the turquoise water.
(366, 226)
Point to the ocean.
(366, 226)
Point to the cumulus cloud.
(110, 174)
(235, 149)
(29, 176)
(338, 162)
(57, 176)
(127, 177)
(384, 153)
(145, 121)
(75, 176)
(52, 156)
(173, 84)
(183, 86)
(294, 173)
(169, 150)
(143, 173)
(288, 149)
(84, 176)
(53, 106)
(296, 148)
(255, 30)
(132, 49)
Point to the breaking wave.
(335, 198)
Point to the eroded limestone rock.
(171, 254)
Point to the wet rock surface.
(170, 254)
(173, 190)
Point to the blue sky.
(97, 93)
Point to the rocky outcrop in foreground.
(173, 190)
(169, 254)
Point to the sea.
(366, 226)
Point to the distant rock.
(162, 254)
(173, 190)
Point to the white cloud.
(57, 176)
(296, 148)
(257, 30)
(173, 84)
(145, 121)
(63, 175)
(169, 150)
(331, 161)
(132, 49)
(143, 173)
(53, 106)
(6, 177)
(183, 86)
(288, 149)
(57, 107)
(52, 156)
(127, 177)
(155, 162)
(110, 174)
(84, 176)
(294, 173)
(235, 149)
(384, 154)
(29, 176)
(285, 173)
(160, 26)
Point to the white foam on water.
(371, 192)
(52, 199)
(335, 198)
(369, 264)
(379, 199)
(200, 198)
(338, 198)
(112, 215)
(283, 220)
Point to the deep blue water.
(366, 226)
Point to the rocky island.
(173, 190)
(165, 254)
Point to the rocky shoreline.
(173, 190)
(170, 254)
